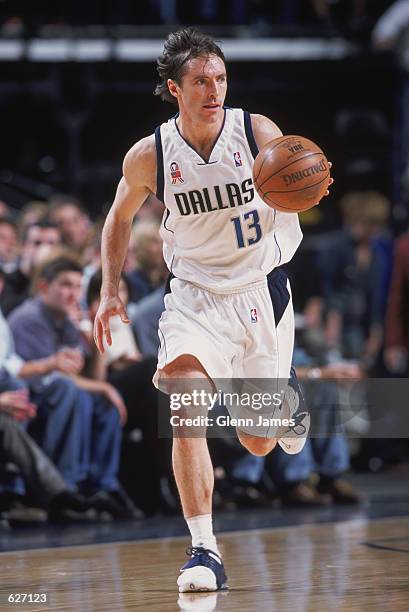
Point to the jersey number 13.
(252, 230)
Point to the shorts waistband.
(261, 284)
(271, 276)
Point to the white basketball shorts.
(244, 334)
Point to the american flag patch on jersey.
(253, 315)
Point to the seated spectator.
(43, 482)
(145, 317)
(328, 456)
(150, 270)
(352, 270)
(56, 399)
(37, 241)
(57, 421)
(123, 365)
(9, 244)
(73, 221)
(31, 214)
(42, 330)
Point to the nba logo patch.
(237, 159)
(176, 173)
(253, 315)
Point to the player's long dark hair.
(180, 47)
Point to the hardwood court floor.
(351, 566)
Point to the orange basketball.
(291, 173)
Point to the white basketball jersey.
(217, 232)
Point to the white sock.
(201, 530)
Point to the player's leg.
(267, 368)
(291, 438)
(194, 479)
(294, 438)
(191, 460)
(255, 445)
(260, 440)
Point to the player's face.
(202, 90)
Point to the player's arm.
(138, 180)
(265, 130)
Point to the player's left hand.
(331, 180)
(108, 307)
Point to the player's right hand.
(331, 180)
(109, 307)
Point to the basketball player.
(228, 310)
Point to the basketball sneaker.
(203, 572)
(294, 439)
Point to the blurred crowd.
(328, 16)
(79, 430)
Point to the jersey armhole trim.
(249, 134)
(160, 175)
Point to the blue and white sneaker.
(203, 572)
(294, 439)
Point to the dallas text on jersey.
(215, 198)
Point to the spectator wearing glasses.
(39, 239)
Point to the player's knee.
(261, 449)
(257, 446)
(183, 375)
(184, 366)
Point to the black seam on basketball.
(295, 190)
(290, 164)
(272, 149)
(275, 203)
(263, 162)
(259, 170)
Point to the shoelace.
(194, 551)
